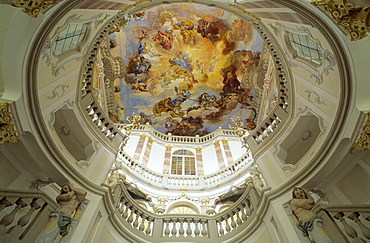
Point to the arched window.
(305, 47)
(183, 163)
(183, 208)
(69, 38)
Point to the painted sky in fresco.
(186, 66)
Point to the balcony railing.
(346, 223)
(182, 139)
(23, 214)
(142, 173)
(129, 216)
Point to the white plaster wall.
(236, 149)
(210, 163)
(131, 145)
(156, 158)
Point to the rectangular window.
(176, 165)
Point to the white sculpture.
(256, 177)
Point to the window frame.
(183, 160)
(301, 49)
(69, 36)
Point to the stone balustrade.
(101, 124)
(141, 172)
(343, 223)
(186, 227)
(171, 138)
(18, 209)
(346, 223)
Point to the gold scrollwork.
(351, 18)
(238, 126)
(5, 115)
(7, 131)
(33, 7)
(363, 142)
(8, 134)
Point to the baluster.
(238, 219)
(188, 230)
(351, 232)
(8, 219)
(221, 229)
(121, 206)
(196, 230)
(131, 217)
(125, 214)
(248, 208)
(4, 203)
(244, 216)
(136, 222)
(233, 224)
(148, 230)
(167, 229)
(365, 230)
(142, 225)
(227, 226)
(204, 228)
(174, 229)
(181, 230)
(24, 220)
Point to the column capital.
(143, 136)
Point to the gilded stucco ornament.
(7, 131)
(133, 123)
(238, 126)
(363, 142)
(352, 18)
(33, 8)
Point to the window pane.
(69, 38)
(305, 47)
(183, 163)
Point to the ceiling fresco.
(188, 68)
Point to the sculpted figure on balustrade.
(115, 175)
(309, 224)
(68, 200)
(72, 203)
(256, 179)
